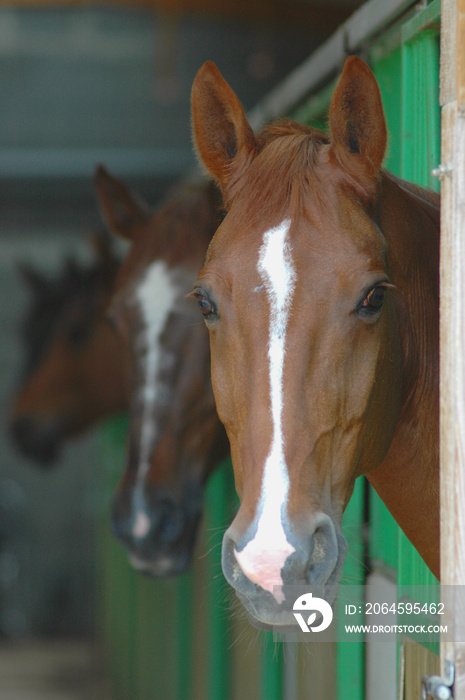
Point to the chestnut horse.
(75, 371)
(175, 437)
(320, 293)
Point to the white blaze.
(156, 296)
(141, 525)
(264, 556)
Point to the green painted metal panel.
(219, 499)
(158, 667)
(420, 109)
(271, 668)
(184, 635)
(388, 72)
(146, 623)
(117, 580)
(383, 537)
(350, 656)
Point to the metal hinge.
(437, 687)
(442, 170)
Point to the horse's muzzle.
(157, 530)
(316, 562)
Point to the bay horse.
(320, 294)
(175, 437)
(75, 373)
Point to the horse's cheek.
(383, 414)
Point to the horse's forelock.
(285, 169)
(287, 127)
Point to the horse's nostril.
(170, 522)
(325, 552)
(141, 525)
(122, 518)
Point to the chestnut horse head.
(304, 289)
(75, 370)
(175, 437)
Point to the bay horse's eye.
(207, 307)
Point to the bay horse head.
(175, 437)
(297, 292)
(75, 370)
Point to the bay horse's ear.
(223, 137)
(357, 122)
(122, 210)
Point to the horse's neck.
(408, 478)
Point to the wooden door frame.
(452, 324)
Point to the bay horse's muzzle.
(157, 529)
(268, 593)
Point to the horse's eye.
(374, 299)
(206, 306)
(373, 302)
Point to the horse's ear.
(121, 210)
(223, 137)
(357, 121)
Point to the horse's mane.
(425, 196)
